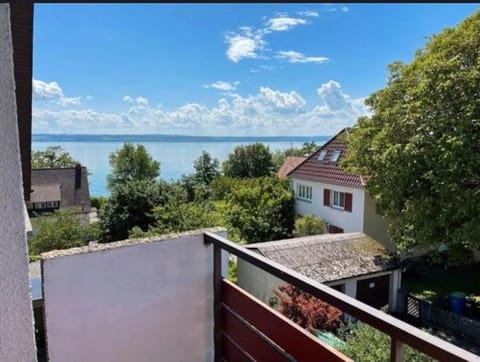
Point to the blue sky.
(220, 69)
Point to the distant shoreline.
(169, 138)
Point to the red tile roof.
(325, 170)
(290, 163)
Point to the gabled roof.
(327, 170)
(46, 182)
(329, 257)
(290, 163)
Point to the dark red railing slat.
(300, 344)
(248, 340)
(232, 353)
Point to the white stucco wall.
(349, 221)
(16, 318)
(145, 301)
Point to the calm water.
(176, 157)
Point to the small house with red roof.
(324, 189)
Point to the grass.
(431, 284)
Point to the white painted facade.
(17, 341)
(349, 221)
(137, 300)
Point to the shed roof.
(328, 170)
(329, 257)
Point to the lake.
(176, 154)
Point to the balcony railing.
(246, 329)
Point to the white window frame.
(304, 192)
(322, 155)
(337, 204)
(335, 156)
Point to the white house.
(322, 188)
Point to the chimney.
(78, 176)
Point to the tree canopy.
(251, 161)
(62, 230)
(419, 150)
(131, 204)
(132, 163)
(53, 156)
(261, 210)
(207, 169)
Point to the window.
(304, 192)
(322, 155)
(338, 199)
(335, 156)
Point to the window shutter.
(326, 197)
(348, 201)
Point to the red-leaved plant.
(306, 310)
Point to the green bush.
(61, 230)
(310, 225)
(367, 344)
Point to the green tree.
(207, 169)
(53, 156)
(368, 344)
(253, 160)
(131, 204)
(62, 230)
(419, 148)
(310, 225)
(132, 163)
(261, 211)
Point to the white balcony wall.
(133, 300)
(17, 342)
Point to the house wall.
(146, 301)
(375, 225)
(348, 221)
(17, 341)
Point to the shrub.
(310, 225)
(306, 310)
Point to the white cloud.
(267, 112)
(344, 9)
(245, 44)
(128, 99)
(292, 56)
(43, 91)
(310, 13)
(283, 23)
(141, 101)
(221, 85)
(70, 101)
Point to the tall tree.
(53, 156)
(207, 169)
(420, 147)
(132, 163)
(261, 210)
(131, 204)
(253, 160)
